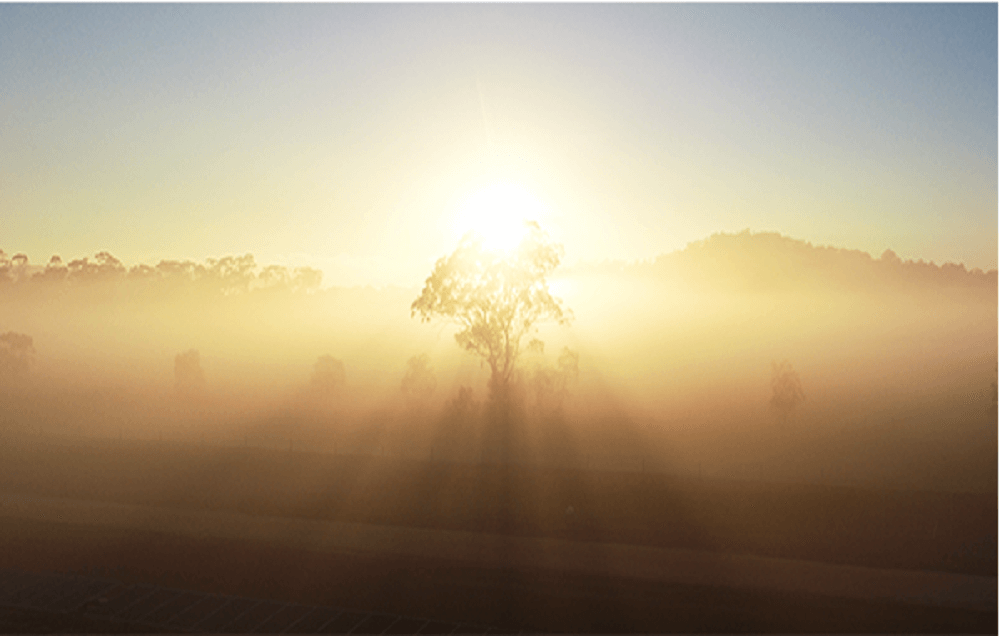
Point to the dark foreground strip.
(173, 610)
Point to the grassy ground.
(29, 621)
(884, 529)
(522, 598)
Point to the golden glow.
(497, 214)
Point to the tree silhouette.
(14, 269)
(16, 353)
(56, 271)
(188, 376)
(550, 386)
(328, 375)
(786, 390)
(229, 275)
(232, 274)
(496, 298)
(419, 382)
(105, 267)
(462, 406)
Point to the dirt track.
(686, 567)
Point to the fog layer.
(671, 365)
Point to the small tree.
(463, 406)
(496, 297)
(550, 386)
(417, 387)
(419, 382)
(786, 390)
(328, 375)
(188, 376)
(16, 354)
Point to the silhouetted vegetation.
(328, 376)
(227, 275)
(495, 297)
(463, 406)
(550, 386)
(768, 261)
(786, 390)
(653, 375)
(418, 383)
(189, 379)
(16, 353)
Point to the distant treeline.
(768, 261)
(742, 262)
(227, 275)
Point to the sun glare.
(497, 214)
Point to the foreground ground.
(251, 523)
(513, 597)
(47, 602)
(920, 530)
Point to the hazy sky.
(347, 137)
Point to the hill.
(770, 262)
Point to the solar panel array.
(174, 610)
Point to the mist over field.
(441, 318)
(668, 365)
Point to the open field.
(514, 598)
(895, 529)
(71, 602)
(499, 317)
(491, 544)
(499, 552)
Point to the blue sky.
(346, 136)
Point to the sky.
(349, 137)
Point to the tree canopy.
(16, 353)
(786, 389)
(419, 382)
(550, 385)
(496, 297)
(188, 376)
(228, 275)
(328, 375)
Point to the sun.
(497, 215)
